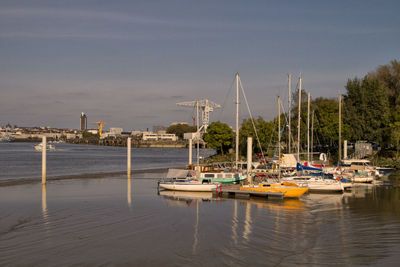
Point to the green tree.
(180, 128)
(389, 76)
(219, 136)
(366, 110)
(264, 131)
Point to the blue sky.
(129, 62)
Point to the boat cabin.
(220, 175)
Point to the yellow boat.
(289, 190)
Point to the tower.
(83, 122)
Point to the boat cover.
(307, 168)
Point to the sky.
(129, 62)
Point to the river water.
(121, 221)
(20, 160)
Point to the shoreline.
(83, 176)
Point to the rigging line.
(226, 98)
(252, 120)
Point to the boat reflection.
(276, 205)
(182, 198)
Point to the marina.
(128, 137)
(103, 214)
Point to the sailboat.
(289, 190)
(314, 183)
(178, 180)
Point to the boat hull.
(288, 191)
(317, 185)
(192, 187)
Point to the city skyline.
(129, 63)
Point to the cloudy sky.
(129, 62)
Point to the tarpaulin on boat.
(307, 168)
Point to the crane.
(100, 124)
(206, 107)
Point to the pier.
(233, 191)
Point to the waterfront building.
(83, 122)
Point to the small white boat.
(49, 147)
(189, 185)
(316, 184)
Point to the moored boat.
(188, 185)
(223, 177)
(49, 147)
(289, 190)
(317, 184)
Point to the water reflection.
(291, 205)
(247, 222)
(44, 202)
(128, 191)
(182, 198)
(235, 223)
(196, 229)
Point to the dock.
(233, 191)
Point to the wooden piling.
(249, 159)
(190, 151)
(44, 150)
(128, 160)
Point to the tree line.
(370, 112)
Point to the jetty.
(233, 191)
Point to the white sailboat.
(178, 180)
(314, 183)
(49, 147)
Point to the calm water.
(120, 221)
(20, 160)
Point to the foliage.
(87, 135)
(219, 136)
(180, 128)
(366, 110)
(389, 76)
(264, 132)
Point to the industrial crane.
(206, 107)
(100, 124)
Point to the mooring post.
(249, 159)
(190, 151)
(44, 150)
(128, 160)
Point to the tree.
(219, 136)
(180, 128)
(264, 132)
(366, 110)
(389, 76)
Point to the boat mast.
(197, 133)
(237, 121)
(279, 138)
(308, 128)
(290, 107)
(298, 122)
(340, 127)
(312, 134)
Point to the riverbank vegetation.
(370, 112)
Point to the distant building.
(116, 131)
(148, 136)
(83, 122)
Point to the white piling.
(345, 149)
(190, 151)
(44, 150)
(249, 159)
(128, 158)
